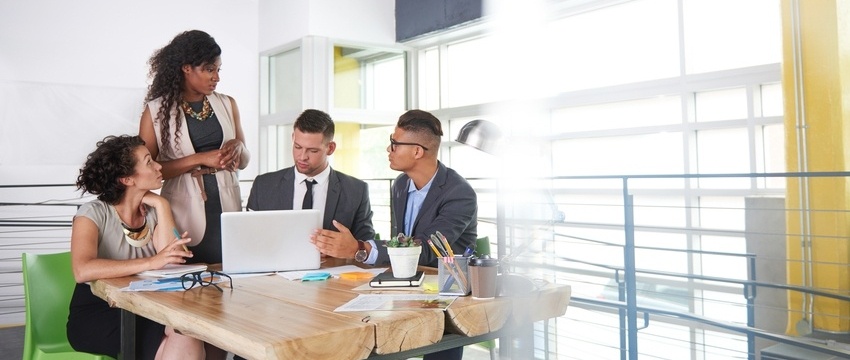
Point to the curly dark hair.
(314, 121)
(193, 47)
(106, 165)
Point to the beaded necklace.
(205, 113)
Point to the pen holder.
(453, 276)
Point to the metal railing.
(570, 235)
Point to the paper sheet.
(372, 302)
(174, 269)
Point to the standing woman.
(125, 231)
(195, 133)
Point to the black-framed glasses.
(205, 278)
(394, 143)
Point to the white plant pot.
(404, 260)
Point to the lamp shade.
(480, 134)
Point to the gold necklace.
(205, 113)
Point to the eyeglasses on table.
(205, 278)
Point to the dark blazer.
(347, 200)
(451, 207)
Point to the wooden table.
(269, 317)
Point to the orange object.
(356, 275)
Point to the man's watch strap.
(361, 255)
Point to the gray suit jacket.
(347, 200)
(451, 207)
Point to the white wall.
(285, 21)
(72, 72)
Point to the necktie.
(308, 196)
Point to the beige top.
(110, 236)
(183, 192)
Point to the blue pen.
(468, 252)
(177, 234)
(168, 280)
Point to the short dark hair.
(314, 121)
(106, 165)
(423, 124)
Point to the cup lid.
(483, 261)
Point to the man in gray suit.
(428, 196)
(343, 198)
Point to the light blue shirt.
(415, 198)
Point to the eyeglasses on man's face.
(394, 143)
(205, 278)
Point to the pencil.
(452, 254)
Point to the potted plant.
(404, 255)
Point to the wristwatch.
(361, 255)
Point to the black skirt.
(94, 327)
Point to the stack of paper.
(174, 270)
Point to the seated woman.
(127, 230)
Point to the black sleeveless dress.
(207, 135)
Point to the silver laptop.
(268, 241)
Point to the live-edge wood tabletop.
(270, 317)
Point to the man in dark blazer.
(343, 198)
(428, 197)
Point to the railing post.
(629, 262)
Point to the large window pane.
(658, 153)
(723, 152)
(366, 78)
(721, 105)
(630, 42)
(772, 101)
(727, 34)
(627, 114)
(472, 74)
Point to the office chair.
(48, 286)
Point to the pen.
(168, 280)
(177, 234)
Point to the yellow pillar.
(816, 84)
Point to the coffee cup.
(482, 272)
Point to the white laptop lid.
(266, 241)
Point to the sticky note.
(316, 276)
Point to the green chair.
(48, 286)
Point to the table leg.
(517, 342)
(128, 336)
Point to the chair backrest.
(48, 286)
(482, 246)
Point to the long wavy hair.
(112, 160)
(193, 47)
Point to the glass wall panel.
(285, 81)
